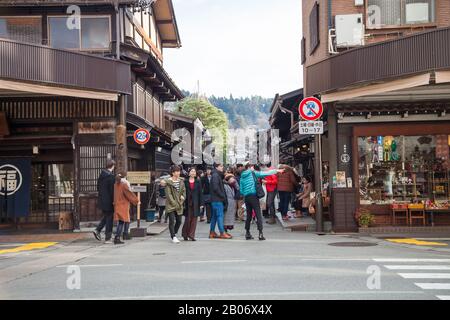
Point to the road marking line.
(417, 242)
(335, 259)
(249, 294)
(409, 260)
(443, 297)
(91, 265)
(407, 267)
(433, 286)
(213, 261)
(425, 275)
(29, 246)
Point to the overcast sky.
(242, 47)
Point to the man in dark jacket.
(105, 188)
(206, 194)
(218, 203)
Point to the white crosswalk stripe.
(425, 275)
(415, 270)
(409, 260)
(415, 267)
(434, 286)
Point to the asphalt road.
(289, 265)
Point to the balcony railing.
(42, 64)
(413, 54)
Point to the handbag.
(259, 189)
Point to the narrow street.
(289, 265)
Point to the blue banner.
(15, 187)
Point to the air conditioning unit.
(349, 30)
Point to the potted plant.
(364, 217)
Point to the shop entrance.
(52, 191)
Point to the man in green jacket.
(175, 196)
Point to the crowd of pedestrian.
(219, 195)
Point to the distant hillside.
(243, 112)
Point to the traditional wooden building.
(75, 83)
(284, 117)
(382, 69)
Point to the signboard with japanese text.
(311, 127)
(139, 177)
(139, 189)
(15, 184)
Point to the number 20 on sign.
(141, 136)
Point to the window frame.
(315, 13)
(80, 34)
(41, 17)
(402, 13)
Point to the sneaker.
(248, 236)
(175, 240)
(108, 241)
(225, 236)
(118, 241)
(97, 235)
(213, 235)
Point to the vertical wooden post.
(332, 141)
(76, 178)
(121, 137)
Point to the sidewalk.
(13, 238)
(306, 224)
(32, 236)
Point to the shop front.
(392, 167)
(403, 174)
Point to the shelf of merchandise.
(440, 178)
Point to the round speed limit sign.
(141, 136)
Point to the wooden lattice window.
(92, 161)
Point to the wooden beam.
(144, 35)
(164, 21)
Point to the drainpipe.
(116, 7)
(284, 110)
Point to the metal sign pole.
(318, 181)
(139, 209)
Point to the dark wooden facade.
(70, 111)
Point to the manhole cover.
(352, 244)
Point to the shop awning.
(442, 76)
(404, 83)
(27, 88)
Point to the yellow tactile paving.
(28, 247)
(417, 242)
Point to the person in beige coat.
(123, 197)
(304, 196)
